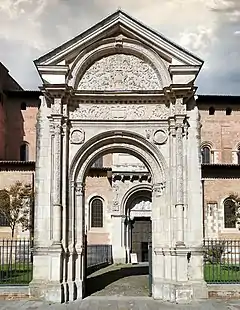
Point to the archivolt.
(129, 47)
(133, 191)
(120, 142)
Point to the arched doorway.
(126, 142)
(138, 222)
(118, 87)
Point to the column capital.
(79, 188)
(159, 188)
(56, 106)
(180, 107)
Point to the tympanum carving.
(120, 72)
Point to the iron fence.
(15, 261)
(99, 254)
(222, 261)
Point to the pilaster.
(180, 115)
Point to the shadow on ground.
(107, 276)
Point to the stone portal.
(117, 88)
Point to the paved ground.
(118, 303)
(119, 287)
(119, 280)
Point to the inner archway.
(125, 191)
(138, 223)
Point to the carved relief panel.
(120, 112)
(120, 72)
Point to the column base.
(48, 291)
(179, 292)
(73, 290)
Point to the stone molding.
(129, 47)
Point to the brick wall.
(215, 192)
(221, 130)
(98, 184)
(21, 126)
(222, 133)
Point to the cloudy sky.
(209, 28)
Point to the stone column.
(180, 181)
(79, 242)
(79, 215)
(173, 182)
(159, 240)
(57, 203)
(128, 237)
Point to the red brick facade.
(220, 131)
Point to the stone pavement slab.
(119, 303)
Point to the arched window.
(96, 213)
(230, 213)
(206, 155)
(211, 111)
(24, 152)
(228, 111)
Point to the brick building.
(122, 146)
(18, 114)
(220, 150)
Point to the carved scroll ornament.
(120, 72)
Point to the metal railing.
(99, 254)
(222, 261)
(15, 261)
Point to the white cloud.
(202, 26)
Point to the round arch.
(104, 49)
(132, 192)
(121, 142)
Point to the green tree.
(15, 205)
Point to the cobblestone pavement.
(119, 303)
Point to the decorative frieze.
(120, 112)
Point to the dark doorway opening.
(141, 237)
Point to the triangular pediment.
(119, 23)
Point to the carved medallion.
(120, 72)
(77, 136)
(160, 137)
